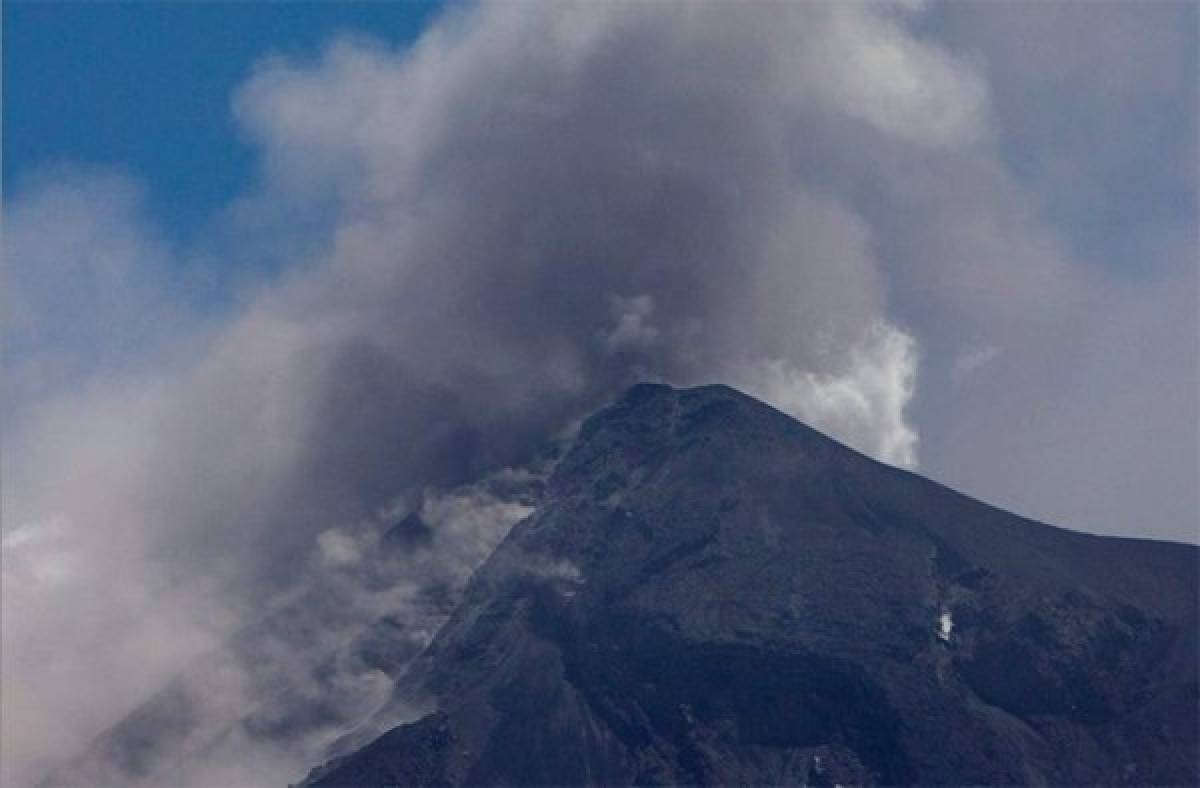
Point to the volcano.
(710, 592)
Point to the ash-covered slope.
(711, 592)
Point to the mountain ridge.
(881, 627)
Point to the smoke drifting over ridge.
(501, 227)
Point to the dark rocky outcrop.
(712, 593)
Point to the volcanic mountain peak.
(711, 592)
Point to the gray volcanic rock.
(712, 593)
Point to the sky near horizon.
(273, 267)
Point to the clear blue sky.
(146, 87)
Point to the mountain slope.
(711, 592)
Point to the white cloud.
(633, 329)
(895, 81)
(945, 625)
(338, 548)
(863, 404)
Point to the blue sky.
(146, 86)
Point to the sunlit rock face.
(710, 592)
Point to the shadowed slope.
(711, 592)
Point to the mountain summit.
(710, 592)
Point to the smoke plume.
(484, 236)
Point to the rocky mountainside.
(710, 592)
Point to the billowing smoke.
(483, 237)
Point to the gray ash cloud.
(490, 234)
